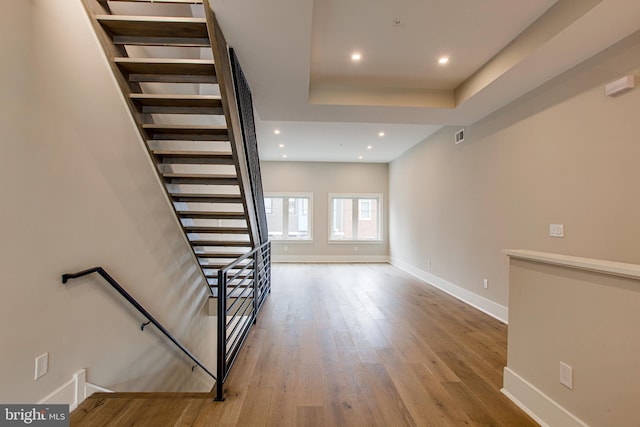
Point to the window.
(292, 222)
(355, 217)
(365, 209)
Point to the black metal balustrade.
(242, 288)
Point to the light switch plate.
(42, 365)
(556, 230)
(566, 375)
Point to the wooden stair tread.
(177, 104)
(176, 100)
(218, 230)
(206, 198)
(154, 26)
(210, 214)
(191, 153)
(185, 128)
(156, 1)
(194, 157)
(221, 230)
(217, 256)
(224, 243)
(201, 181)
(198, 175)
(186, 132)
(219, 265)
(195, 160)
(168, 70)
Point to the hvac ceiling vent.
(459, 136)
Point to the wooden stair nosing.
(207, 198)
(216, 230)
(221, 255)
(166, 66)
(185, 146)
(172, 78)
(161, 41)
(201, 181)
(220, 243)
(179, 100)
(194, 159)
(156, 1)
(154, 27)
(221, 266)
(202, 175)
(177, 104)
(185, 132)
(190, 153)
(210, 215)
(185, 128)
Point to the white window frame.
(285, 216)
(355, 213)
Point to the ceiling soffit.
(433, 28)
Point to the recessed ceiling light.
(443, 60)
(277, 131)
(359, 157)
(281, 145)
(284, 156)
(369, 147)
(356, 56)
(380, 133)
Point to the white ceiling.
(296, 57)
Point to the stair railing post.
(256, 276)
(222, 333)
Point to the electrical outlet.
(429, 262)
(355, 249)
(286, 248)
(42, 365)
(566, 375)
(485, 283)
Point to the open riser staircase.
(162, 54)
(175, 72)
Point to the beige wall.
(78, 191)
(563, 154)
(586, 320)
(322, 179)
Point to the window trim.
(286, 196)
(356, 212)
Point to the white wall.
(564, 153)
(79, 191)
(589, 322)
(321, 179)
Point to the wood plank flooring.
(346, 345)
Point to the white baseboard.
(74, 391)
(485, 305)
(543, 409)
(329, 258)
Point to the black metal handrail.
(253, 280)
(141, 309)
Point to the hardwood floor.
(346, 345)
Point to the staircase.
(172, 64)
